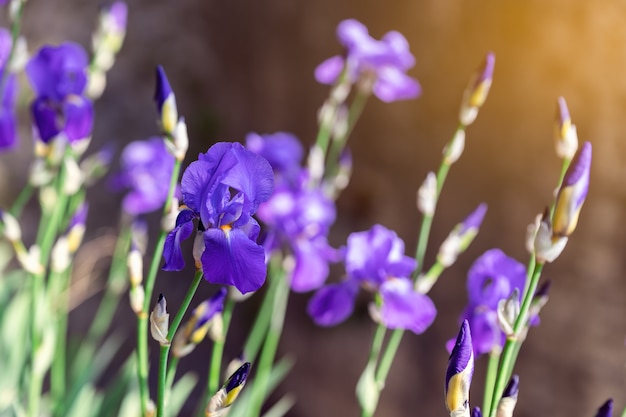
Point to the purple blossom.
(223, 189)
(491, 278)
(375, 259)
(146, 168)
(385, 61)
(58, 74)
(8, 132)
(297, 215)
(460, 371)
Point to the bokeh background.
(239, 66)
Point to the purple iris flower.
(58, 74)
(491, 278)
(146, 168)
(297, 215)
(223, 189)
(375, 259)
(384, 61)
(7, 95)
(282, 150)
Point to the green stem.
(261, 324)
(142, 319)
(259, 388)
(508, 354)
(624, 412)
(218, 350)
(22, 199)
(165, 349)
(490, 379)
(58, 376)
(338, 144)
(169, 378)
(48, 229)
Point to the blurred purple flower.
(491, 278)
(8, 133)
(298, 216)
(376, 260)
(223, 189)
(58, 74)
(146, 168)
(385, 61)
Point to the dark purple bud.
(512, 388)
(476, 412)
(606, 410)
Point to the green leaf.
(281, 407)
(180, 392)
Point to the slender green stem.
(490, 379)
(259, 388)
(261, 324)
(58, 378)
(338, 144)
(169, 378)
(165, 349)
(48, 229)
(377, 343)
(218, 350)
(388, 356)
(22, 199)
(624, 412)
(142, 319)
(507, 362)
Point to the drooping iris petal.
(332, 304)
(78, 112)
(460, 371)
(392, 85)
(311, 269)
(328, 71)
(45, 118)
(404, 308)
(174, 260)
(231, 258)
(7, 129)
(492, 277)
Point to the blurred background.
(239, 66)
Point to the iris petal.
(231, 258)
(404, 308)
(333, 303)
(78, 112)
(172, 252)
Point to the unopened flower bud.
(477, 90)
(531, 233)
(169, 220)
(565, 137)
(427, 195)
(202, 319)
(73, 176)
(476, 412)
(226, 396)
(546, 247)
(76, 227)
(316, 163)
(235, 364)
(166, 103)
(340, 125)
(60, 256)
(139, 235)
(459, 374)
(572, 194)
(134, 262)
(30, 260)
(95, 166)
(507, 403)
(540, 299)
(137, 296)
(461, 236)
(40, 174)
(180, 140)
(606, 410)
(11, 228)
(508, 310)
(342, 179)
(159, 321)
(453, 151)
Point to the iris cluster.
(8, 92)
(299, 215)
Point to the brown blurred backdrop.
(240, 66)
